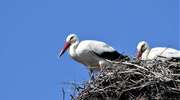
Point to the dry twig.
(144, 80)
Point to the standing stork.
(91, 53)
(144, 52)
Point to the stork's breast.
(88, 58)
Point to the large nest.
(144, 80)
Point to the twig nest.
(142, 80)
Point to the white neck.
(146, 53)
(72, 49)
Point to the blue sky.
(32, 32)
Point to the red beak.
(139, 54)
(66, 46)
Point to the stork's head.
(141, 48)
(72, 38)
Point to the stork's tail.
(123, 58)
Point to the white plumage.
(91, 53)
(144, 52)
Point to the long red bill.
(139, 54)
(66, 46)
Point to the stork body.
(91, 53)
(147, 53)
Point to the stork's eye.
(143, 48)
(71, 38)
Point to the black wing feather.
(111, 55)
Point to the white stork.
(91, 53)
(144, 52)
